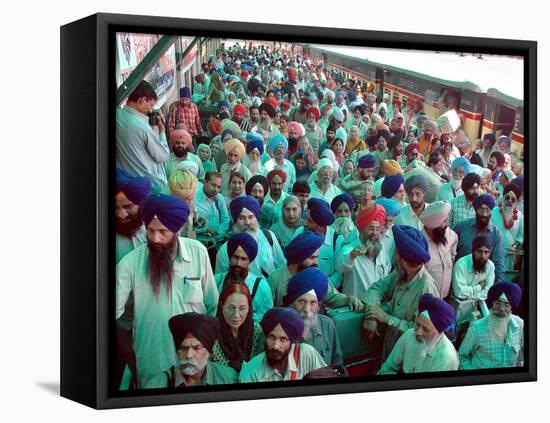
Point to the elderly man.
(185, 112)
(243, 249)
(141, 149)
(489, 141)
(211, 204)
(234, 151)
(461, 206)
(392, 209)
(356, 182)
(194, 337)
(412, 153)
(314, 133)
(416, 187)
(442, 242)
(255, 154)
(323, 188)
(425, 348)
(318, 220)
(180, 143)
(368, 260)
(273, 202)
(453, 189)
(302, 253)
(167, 276)
(265, 126)
(481, 224)
(392, 188)
(393, 300)
(278, 147)
(130, 232)
(245, 211)
(474, 273)
(496, 341)
(284, 358)
(306, 289)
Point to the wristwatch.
(392, 321)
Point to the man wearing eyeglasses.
(495, 341)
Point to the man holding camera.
(141, 148)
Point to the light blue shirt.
(214, 210)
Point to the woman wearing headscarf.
(291, 220)
(338, 150)
(205, 154)
(236, 187)
(240, 338)
(354, 142)
(234, 152)
(216, 91)
(303, 168)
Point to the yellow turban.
(183, 184)
(391, 167)
(233, 144)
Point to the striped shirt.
(460, 210)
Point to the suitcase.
(349, 326)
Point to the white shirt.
(465, 280)
(328, 195)
(408, 217)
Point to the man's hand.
(213, 232)
(355, 304)
(370, 327)
(160, 121)
(483, 284)
(356, 252)
(376, 312)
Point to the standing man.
(167, 276)
(355, 183)
(461, 206)
(496, 341)
(284, 357)
(180, 143)
(278, 147)
(185, 112)
(442, 243)
(416, 187)
(141, 149)
(324, 188)
(273, 202)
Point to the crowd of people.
(274, 191)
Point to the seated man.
(495, 341)
(242, 249)
(305, 290)
(425, 348)
(393, 300)
(284, 358)
(194, 337)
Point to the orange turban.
(370, 214)
(179, 134)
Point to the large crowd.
(279, 221)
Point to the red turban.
(245, 74)
(292, 74)
(313, 111)
(285, 105)
(178, 134)
(272, 101)
(276, 172)
(411, 147)
(215, 126)
(239, 108)
(370, 214)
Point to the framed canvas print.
(260, 211)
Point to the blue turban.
(244, 202)
(442, 315)
(185, 92)
(518, 181)
(367, 161)
(417, 181)
(254, 140)
(289, 319)
(462, 162)
(304, 281)
(391, 185)
(135, 188)
(302, 247)
(223, 103)
(246, 242)
(342, 198)
(320, 212)
(481, 241)
(392, 207)
(276, 140)
(511, 290)
(411, 244)
(171, 211)
(486, 199)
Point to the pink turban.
(435, 214)
(179, 134)
(297, 127)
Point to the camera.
(154, 117)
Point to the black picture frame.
(87, 186)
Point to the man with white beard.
(265, 125)
(453, 189)
(306, 289)
(425, 348)
(245, 211)
(254, 154)
(194, 337)
(495, 341)
(366, 261)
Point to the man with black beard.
(367, 261)
(242, 249)
(180, 143)
(496, 341)
(442, 243)
(469, 229)
(461, 206)
(284, 357)
(306, 289)
(167, 276)
(496, 165)
(328, 139)
(416, 187)
(474, 273)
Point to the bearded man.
(181, 144)
(425, 348)
(306, 290)
(278, 147)
(462, 205)
(416, 187)
(265, 126)
(392, 188)
(453, 189)
(284, 357)
(254, 154)
(496, 341)
(442, 243)
(273, 201)
(167, 276)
